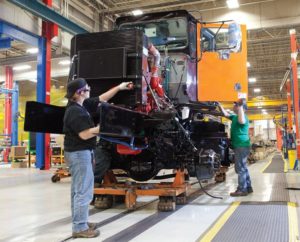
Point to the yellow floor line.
(265, 167)
(219, 224)
(285, 170)
(293, 222)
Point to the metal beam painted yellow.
(260, 103)
(260, 116)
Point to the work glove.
(126, 86)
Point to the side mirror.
(234, 37)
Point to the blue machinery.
(9, 32)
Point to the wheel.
(181, 199)
(221, 177)
(142, 167)
(103, 201)
(166, 204)
(55, 178)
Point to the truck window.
(170, 32)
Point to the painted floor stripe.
(285, 164)
(138, 228)
(269, 162)
(293, 222)
(219, 224)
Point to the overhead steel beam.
(260, 103)
(17, 33)
(27, 58)
(5, 43)
(41, 10)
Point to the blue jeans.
(240, 158)
(81, 168)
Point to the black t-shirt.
(77, 119)
(92, 106)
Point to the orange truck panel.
(217, 78)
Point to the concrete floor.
(35, 209)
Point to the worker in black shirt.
(80, 140)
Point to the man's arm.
(113, 91)
(89, 133)
(241, 115)
(225, 113)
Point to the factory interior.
(147, 121)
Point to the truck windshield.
(170, 32)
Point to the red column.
(279, 138)
(8, 109)
(294, 51)
(49, 30)
(289, 103)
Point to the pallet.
(169, 193)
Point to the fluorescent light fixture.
(252, 79)
(64, 62)
(232, 3)
(21, 67)
(263, 110)
(248, 64)
(137, 12)
(32, 50)
(259, 107)
(256, 90)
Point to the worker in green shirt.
(240, 141)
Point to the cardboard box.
(21, 164)
(18, 151)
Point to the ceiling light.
(256, 89)
(64, 62)
(248, 64)
(252, 79)
(21, 67)
(259, 107)
(32, 50)
(263, 110)
(137, 12)
(232, 3)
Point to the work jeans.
(81, 168)
(240, 158)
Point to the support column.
(49, 30)
(289, 103)
(40, 95)
(294, 74)
(15, 114)
(279, 137)
(8, 112)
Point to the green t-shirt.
(239, 132)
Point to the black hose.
(202, 188)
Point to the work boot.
(249, 189)
(238, 193)
(89, 233)
(92, 225)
